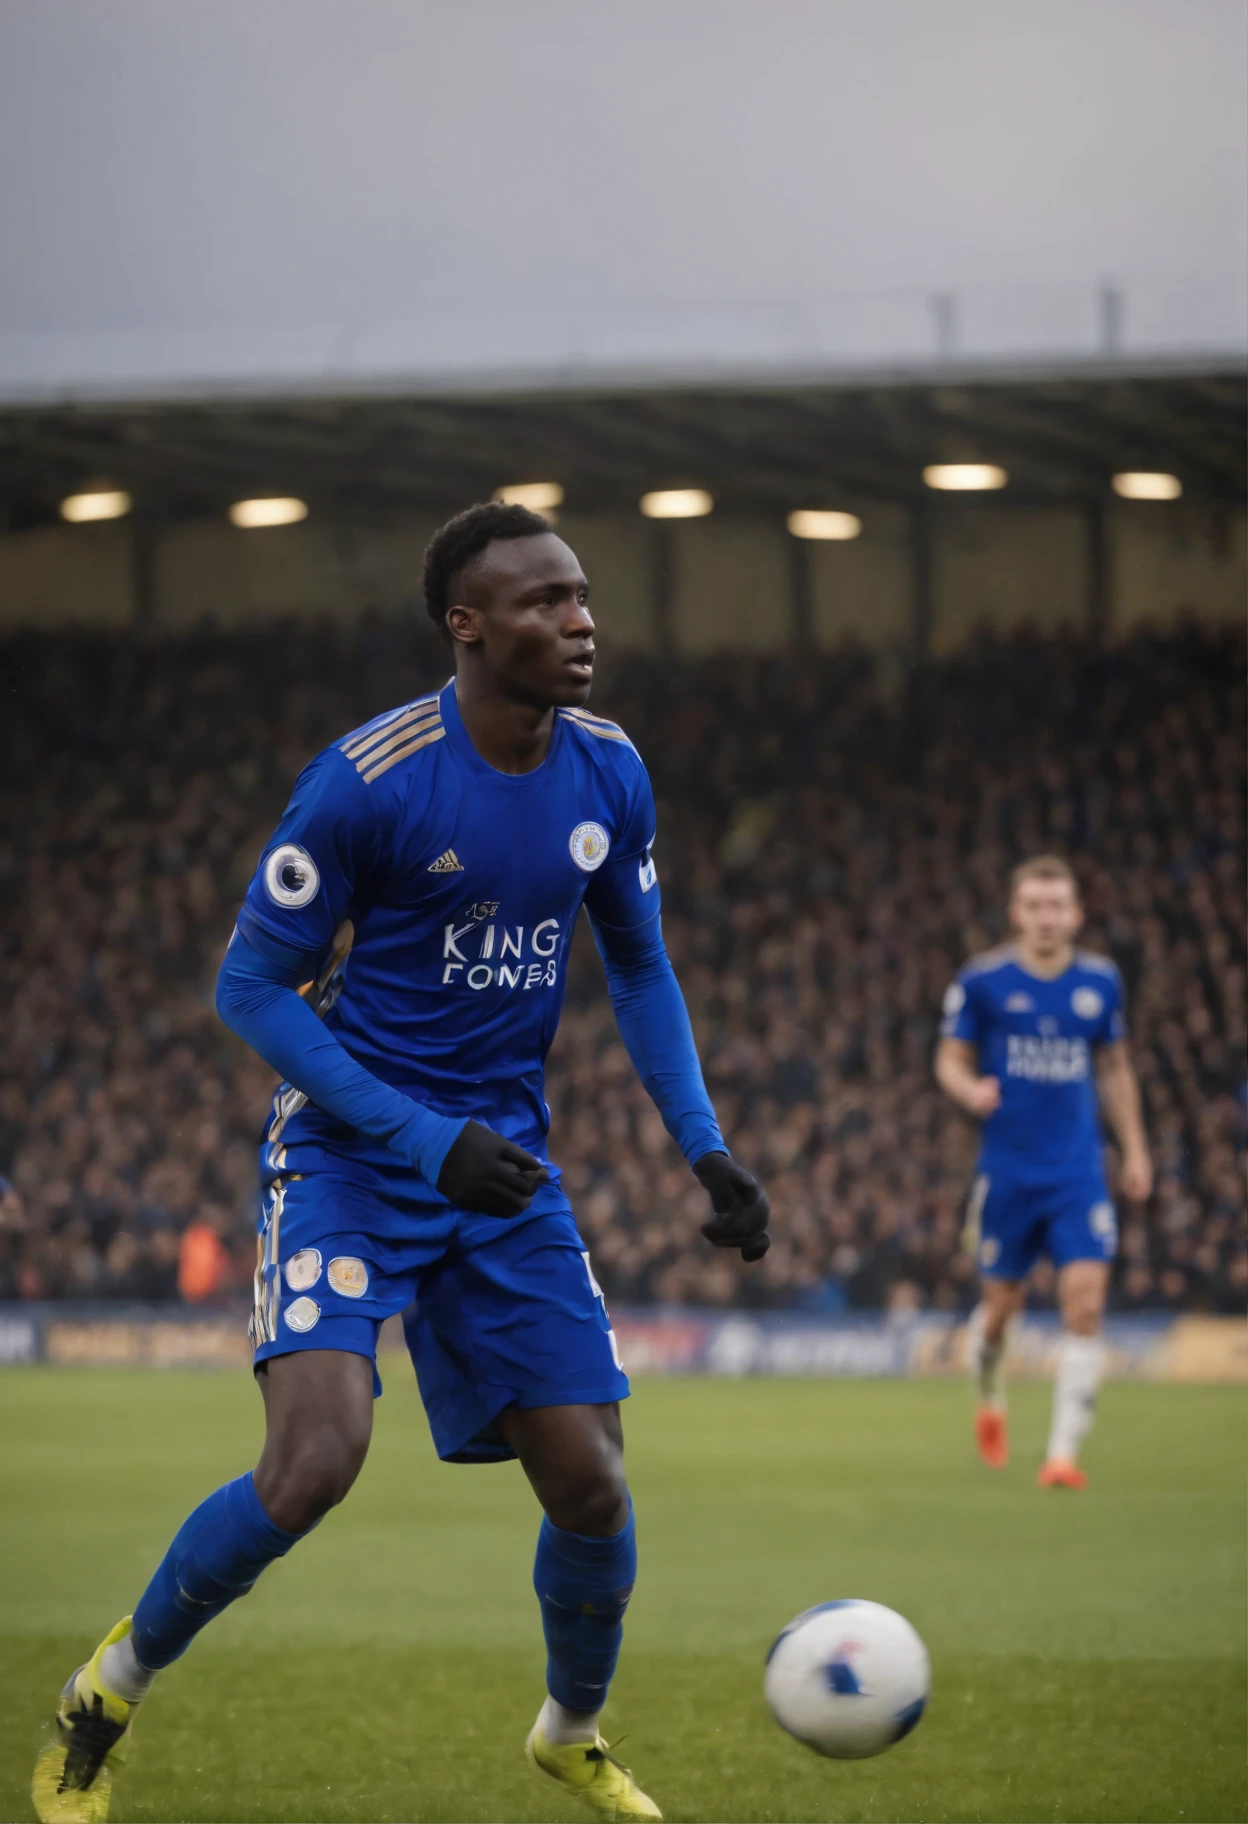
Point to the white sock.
(122, 1673)
(1080, 1364)
(986, 1360)
(563, 1728)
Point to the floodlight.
(964, 477)
(1147, 484)
(537, 496)
(677, 503)
(96, 503)
(271, 510)
(808, 522)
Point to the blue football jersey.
(463, 885)
(1037, 1038)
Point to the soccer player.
(420, 893)
(1030, 1033)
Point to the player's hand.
(1137, 1177)
(983, 1098)
(741, 1207)
(486, 1173)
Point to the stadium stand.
(834, 840)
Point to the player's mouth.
(581, 665)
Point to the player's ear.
(464, 624)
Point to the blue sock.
(215, 1557)
(583, 1586)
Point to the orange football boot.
(990, 1436)
(1060, 1472)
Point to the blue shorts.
(1011, 1221)
(497, 1313)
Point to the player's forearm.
(269, 1015)
(956, 1075)
(654, 1024)
(1120, 1099)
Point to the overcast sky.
(251, 168)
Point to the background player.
(1025, 1028)
(427, 877)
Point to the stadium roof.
(761, 448)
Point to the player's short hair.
(1043, 867)
(454, 546)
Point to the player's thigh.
(339, 1253)
(317, 1390)
(574, 1459)
(318, 1409)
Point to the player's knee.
(1001, 1302)
(300, 1483)
(1082, 1318)
(1082, 1301)
(996, 1317)
(594, 1503)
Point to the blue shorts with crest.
(1012, 1221)
(496, 1313)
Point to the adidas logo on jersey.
(446, 864)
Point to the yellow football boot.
(591, 1771)
(73, 1775)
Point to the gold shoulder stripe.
(419, 712)
(606, 731)
(417, 726)
(375, 729)
(357, 746)
(598, 724)
(587, 715)
(421, 740)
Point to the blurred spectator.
(205, 1268)
(833, 842)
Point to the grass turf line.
(1088, 1651)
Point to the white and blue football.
(848, 1678)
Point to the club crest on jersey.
(449, 863)
(348, 1276)
(1086, 1003)
(588, 845)
(290, 876)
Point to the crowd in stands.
(832, 845)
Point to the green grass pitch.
(1088, 1650)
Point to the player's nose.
(578, 622)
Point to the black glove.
(486, 1173)
(741, 1207)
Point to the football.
(848, 1678)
